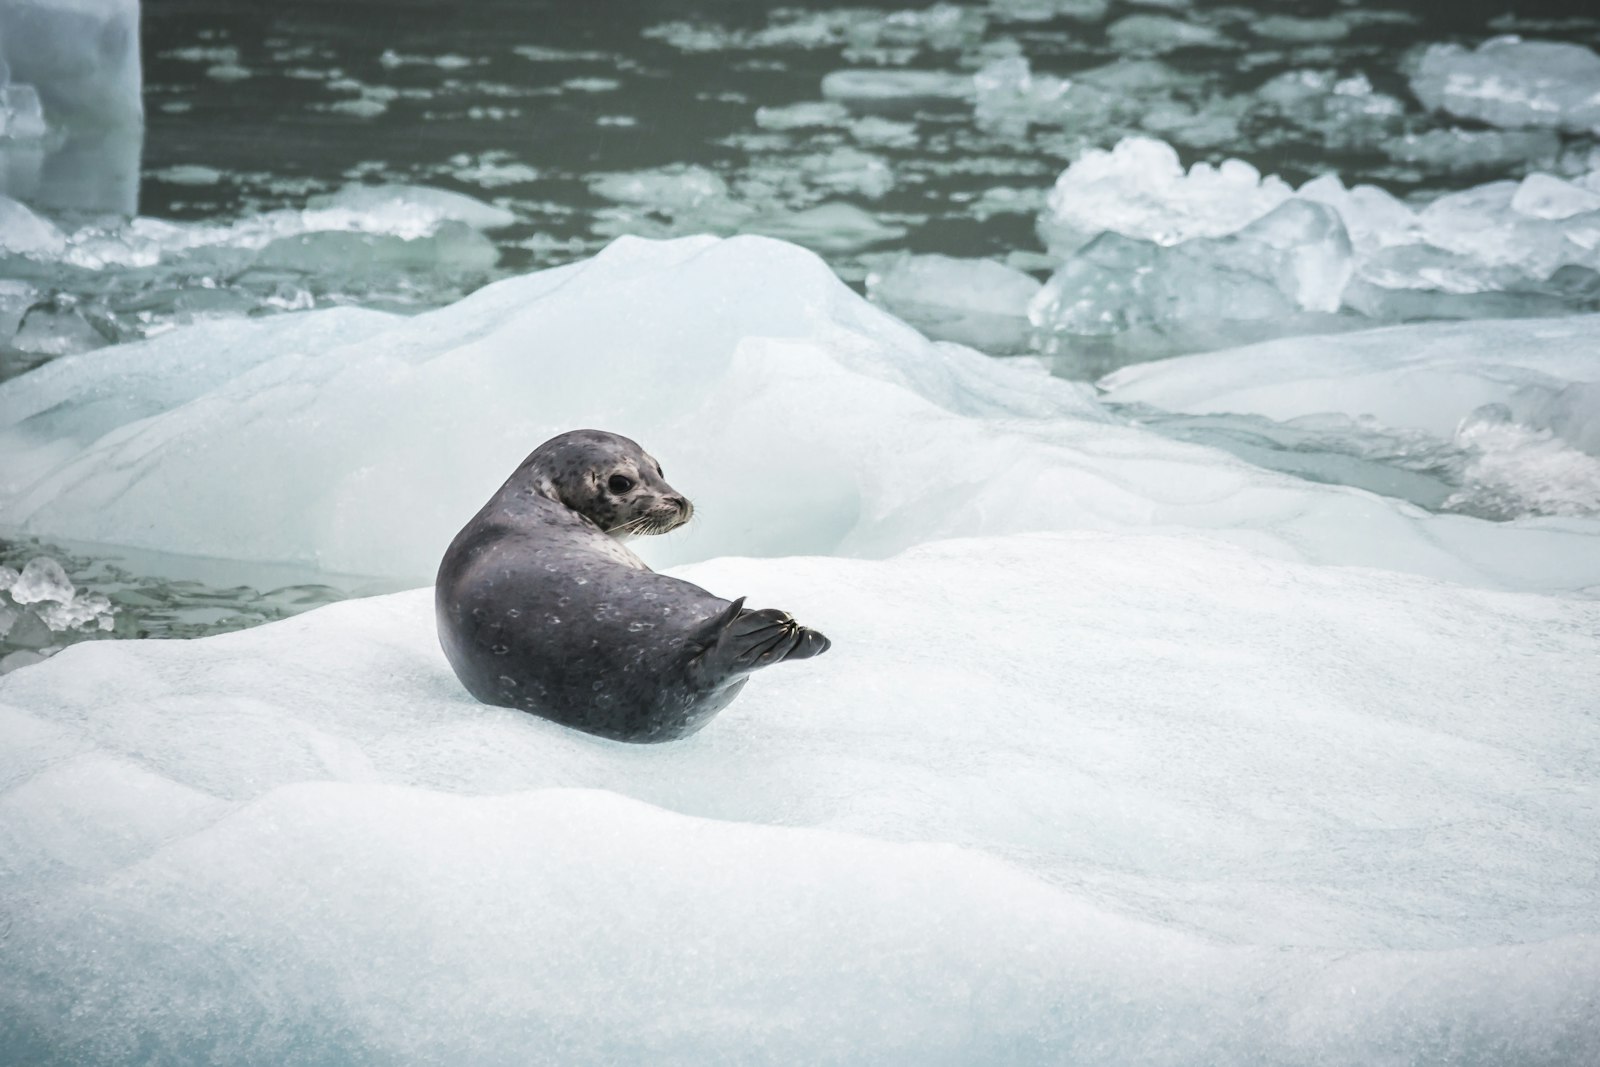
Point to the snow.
(1110, 798)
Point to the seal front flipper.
(737, 642)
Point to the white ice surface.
(800, 419)
(1425, 377)
(1088, 798)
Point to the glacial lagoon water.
(1184, 419)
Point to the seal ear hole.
(619, 484)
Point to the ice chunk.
(1161, 33)
(1345, 112)
(1292, 28)
(1279, 792)
(1507, 81)
(802, 116)
(972, 301)
(831, 227)
(1296, 257)
(401, 210)
(1139, 189)
(1456, 150)
(1426, 377)
(830, 419)
(1044, 10)
(42, 579)
(870, 85)
(1494, 250)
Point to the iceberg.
(358, 442)
(71, 67)
(1110, 799)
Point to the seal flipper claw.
(738, 642)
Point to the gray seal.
(541, 607)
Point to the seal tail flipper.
(738, 641)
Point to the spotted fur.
(541, 607)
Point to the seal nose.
(682, 504)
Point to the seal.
(542, 607)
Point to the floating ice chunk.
(1139, 189)
(802, 116)
(882, 132)
(1507, 81)
(830, 227)
(1044, 10)
(1160, 33)
(8, 577)
(1345, 111)
(669, 187)
(402, 210)
(1009, 94)
(42, 579)
(975, 302)
(869, 85)
(1295, 258)
(1292, 28)
(848, 170)
(1281, 793)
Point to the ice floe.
(1148, 799)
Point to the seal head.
(542, 607)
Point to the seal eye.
(619, 484)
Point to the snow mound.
(1010, 829)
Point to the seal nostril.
(681, 503)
